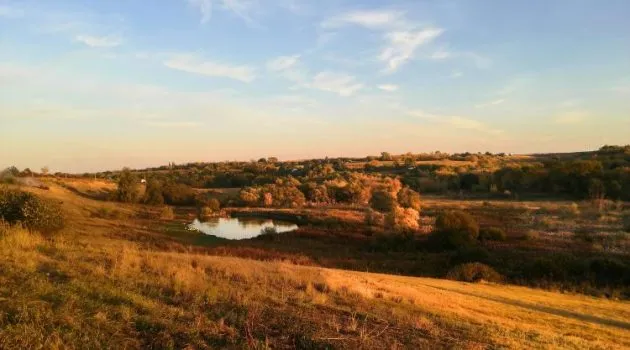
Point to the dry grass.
(97, 286)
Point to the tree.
(45, 170)
(26, 172)
(249, 196)
(127, 187)
(386, 156)
(153, 194)
(456, 229)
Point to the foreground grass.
(61, 294)
(100, 285)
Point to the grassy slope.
(97, 285)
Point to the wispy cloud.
(283, 63)
(402, 46)
(192, 64)
(372, 19)
(204, 7)
(490, 104)
(98, 41)
(240, 8)
(340, 83)
(388, 87)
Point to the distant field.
(118, 283)
(442, 162)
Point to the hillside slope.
(98, 285)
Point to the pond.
(239, 228)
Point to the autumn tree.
(127, 187)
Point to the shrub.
(166, 213)
(474, 272)
(374, 218)
(456, 228)
(403, 219)
(33, 212)
(249, 196)
(408, 198)
(492, 234)
(382, 201)
(531, 235)
(207, 207)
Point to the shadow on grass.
(541, 308)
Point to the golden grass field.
(100, 284)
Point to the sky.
(98, 85)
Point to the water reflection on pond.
(239, 228)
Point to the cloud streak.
(240, 8)
(340, 83)
(191, 64)
(388, 87)
(282, 63)
(490, 104)
(372, 19)
(98, 41)
(403, 45)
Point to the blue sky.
(92, 85)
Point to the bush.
(213, 204)
(408, 198)
(402, 219)
(492, 234)
(166, 213)
(474, 272)
(382, 201)
(456, 229)
(374, 218)
(31, 211)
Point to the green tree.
(128, 191)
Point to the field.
(118, 278)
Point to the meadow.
(117, 276)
